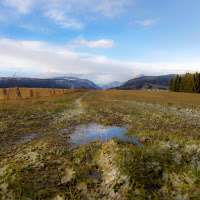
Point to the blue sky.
(103, 40)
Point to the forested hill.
(58, 82)
(147, 82)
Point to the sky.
(104, 41)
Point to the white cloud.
(110, 8)
(22, 7)
(70, 13)
(147, 22)
(81, 42)
(107, 8)
(61, 18)
(38, 57)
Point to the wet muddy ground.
(84, 134)
(101, 145)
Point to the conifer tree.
(176, 83)
(197, 82)
(171, 84)
(188, 83)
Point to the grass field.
(166, 164)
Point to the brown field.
(36, 93)
(161, 97)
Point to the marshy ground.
(158, 157)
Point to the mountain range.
(64, 82)
(56, 82)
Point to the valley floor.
(38, 160)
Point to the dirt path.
(76, 111)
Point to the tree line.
(187, 83)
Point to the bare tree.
(31, 93)
(5, 93)
(18, 93)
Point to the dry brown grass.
(28, 93)
(160, 97)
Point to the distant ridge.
(148, 82)
(57, 82)
(110, 85)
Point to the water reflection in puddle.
(83, 134)
(26, 138)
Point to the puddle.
(26, 138)
(84, 134)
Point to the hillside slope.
(147, 82)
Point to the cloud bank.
(34, 57)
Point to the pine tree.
(197, 82)
(176, 83)
(171, 84)
(182, 84)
